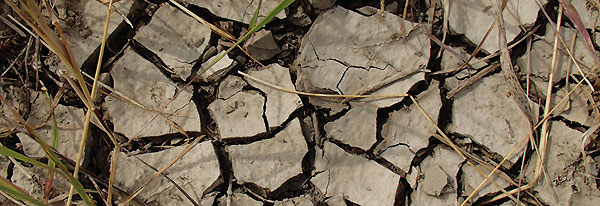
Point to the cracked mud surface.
(262, 146)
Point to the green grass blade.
(49, 152)
(10, 153)
(13, 190)
(63, 170)
(284, 4)
(255, 16)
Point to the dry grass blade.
(50, 153)
(91, 110)
(12, 26)
(516, 92)
(584, 140)
(113, 169)
(568, 51)
(10, 188)
(163, 169)
(471, 80)
(544, 132)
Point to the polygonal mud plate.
(410, 127)
(485, 113)
(540, 61)
(474, 18)
(33, 180)
(270, 162)
(69, 122)
(471, 179)
(241, 115)
(238, 10)
(437, 184)
(195, 172)
(342, 53)
(572, 180)
(86, 33)
(176, 38)
(356, 128)
(360, 180)
(217, 70)
(141, 81)
(280, 104)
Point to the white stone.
(239, 10)
(487, 115)
(339, 58)
(194, 172)
(280, 104)
(69, 122)
(239, 116)
(230, 86)
(141, 81)
(360, 180)
(356, 128)
(270, 162)
(569, 179)
(176, 38)
(219, 69)
(473, 19)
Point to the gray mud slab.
(241, 115)
(570, 177)
(436, 182)
(463, 15)
(407, 130)
(176, 38)
(487, 115)
(87, 25)
(270, 162)
(69, 122)
(142, 82)
(360, 180)
(280, 104)
(336, 57)
(194, 172)
(238, 10)
(362, 130)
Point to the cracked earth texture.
(264, 146)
